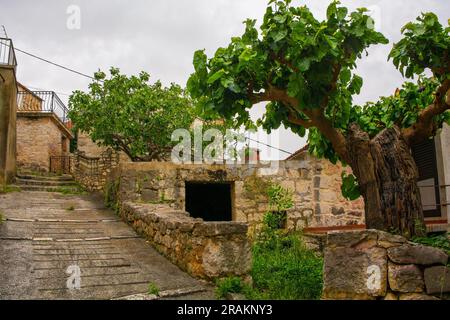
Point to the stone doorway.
(209, 201)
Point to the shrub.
(286, 269)
(229, 285)
(283, 268)
(440, 241)
(153, 289)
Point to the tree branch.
(316, 116)
(425, 125)
(282, 60)
(333, 86)
(292, 118)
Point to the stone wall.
(93, 172)
(38, 138)
(204, 249)
(373, 264)
(89, 148)
(8, 105)
(315, 185)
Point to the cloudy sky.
(160, 36)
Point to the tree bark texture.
(387, 177)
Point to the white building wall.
(443, 163)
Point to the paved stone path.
(44, 233)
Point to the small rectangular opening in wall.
(209, 201)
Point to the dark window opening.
(209, 201)
(425, 157)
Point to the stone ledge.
(204, 249)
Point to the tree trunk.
(387, 177)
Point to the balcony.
(7, 54)
(45, 102)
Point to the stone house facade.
(41, 132)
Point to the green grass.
(9, 189)
(74, 190)
(229, 285)
(440, 241)
(153, 289)
(285, 269)
(1, 217)
(71, 208)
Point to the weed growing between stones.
(111, 190)
(75, 190)
(9, 189)
(153, 289)
(441, 241)
(231, 285)
(1, 218)
(71, 208)
(283, 267)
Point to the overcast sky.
(160, 37)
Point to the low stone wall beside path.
(372, 264)
(206, 250)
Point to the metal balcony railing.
(43, 101)
(7, 54)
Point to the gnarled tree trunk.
(387, 175)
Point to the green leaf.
(247, 55)
(280, 18)
(350, 187)
(342, 13)
(216, 76)
(355, 84)
(280, 35)
(345, 76)
(200, 60)
(304, 64)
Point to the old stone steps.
(33, 182)
(41, 182)
(69, 189)
(28, 176)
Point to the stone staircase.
(50, 183)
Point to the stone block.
(416, 296)
(354, 274)
(417, 254)
(149, 195)
(437, 279)
(388, 240)
(351, 238)
(405, 278)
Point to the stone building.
(43, 130)
(239, 192)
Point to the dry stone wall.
(204, 249)
(315, 184)
(372, 264)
